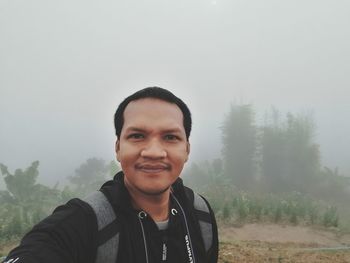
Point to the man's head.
(153, 127)
(155, 93)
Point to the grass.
(293, 208)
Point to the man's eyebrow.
(173, 130)
(136, 129)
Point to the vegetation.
(270, 172)
(91, 175)
(25, 202)
(239, 146)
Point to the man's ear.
(188, 149)
(117, 149)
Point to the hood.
(118, 195)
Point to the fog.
(65, 66)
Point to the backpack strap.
(107, 227)
(202, 212)
(205, 223)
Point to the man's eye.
(135, 136)
(170, 137)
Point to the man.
(144, 214)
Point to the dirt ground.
(255, 243)
(5, 248)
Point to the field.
(255, 243)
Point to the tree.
(290, 157)
(239, 146)
(21, 184)
(90, 176)
(332, 186)
(273, 152)
(302, 152)
(25, 199)
(113, 168)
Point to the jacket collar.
(119, 196)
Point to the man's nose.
(154, 149)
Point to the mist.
(66, 66)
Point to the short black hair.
(156, 93)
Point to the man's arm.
(66, 236)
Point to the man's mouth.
(150, 168)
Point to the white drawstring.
(187, 229)
(143, 215)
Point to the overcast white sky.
(66, 65)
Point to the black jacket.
(70, 233)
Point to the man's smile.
(152, 168)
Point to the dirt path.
(280, 233)
(275, 243)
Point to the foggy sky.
(66, 65)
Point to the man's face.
(152, 147)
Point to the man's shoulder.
(203, 214)
(191, 195)
(75, 212)
(68, 231)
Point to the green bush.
(330, 217)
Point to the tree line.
(265, 170)
(25, 201)
(278, 155)
(276, 159)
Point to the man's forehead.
(144, 128)
(152, 106)
(145, 113)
